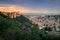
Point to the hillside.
(16, 29)
(7, 28)
(21, 28)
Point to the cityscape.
(29, 19)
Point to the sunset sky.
(31, 6)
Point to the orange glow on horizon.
(22, 9)
(14, 8)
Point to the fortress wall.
(11, 14)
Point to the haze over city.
(31, 6)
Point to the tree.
(47, 29)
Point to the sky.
(31, 6)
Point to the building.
(11, 14)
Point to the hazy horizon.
(31, 6)
(39, 14)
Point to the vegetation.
(12, 29)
